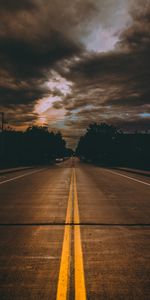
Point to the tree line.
(106, 145)
(34, 146)
(102, 144)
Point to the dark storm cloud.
(137, 36)
(22, 116)
(20, 95)
(15, 5)
(32, 59)
(114, 78)
(115, 85)
(31, 43)
(136, 124)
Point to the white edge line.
(14, 178)
(119, 174)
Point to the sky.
(68, 63)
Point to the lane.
(116, 258)
(38, 198)
(30, 255)
(107, 198)
(29, 262)
(116, 262)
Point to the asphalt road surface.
(74, 231)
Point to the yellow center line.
(80, 290)
(64, 273)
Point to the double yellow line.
(64, 273)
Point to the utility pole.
(2, 121)
(2, 136)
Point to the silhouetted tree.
(98, 142)
(34, 146)
(104, 144)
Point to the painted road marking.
(64, 273)
(119, 174)
(20, 176)
(80, 290)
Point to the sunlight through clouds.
(46, 103)
(46, 112)
(45, 108)
(59, 84)
(101, 40)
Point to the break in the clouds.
(68, 63)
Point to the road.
(74, 231)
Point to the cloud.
(90, 56)
(32, 42)
(16, 5)
(114, 86)
(136, 37)
(27, 59)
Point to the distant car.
(58, 160)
